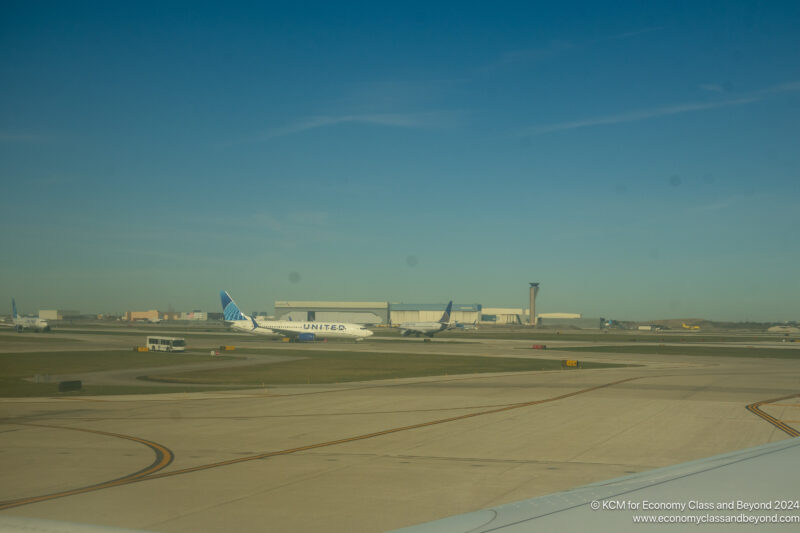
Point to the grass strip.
(342, 366)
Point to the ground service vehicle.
(166, 344)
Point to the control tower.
(534, 292)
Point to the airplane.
(713, 490)
(294, 329)
(429, 329)
(26, 322)
(685, 326)
(466, 325)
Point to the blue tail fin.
(446, 316)
(230, 310)
(13, 308)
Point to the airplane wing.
(10, 524)
(715, 490)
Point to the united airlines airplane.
(429, 329)
(26, 322)
(304, 331)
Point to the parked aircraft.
(26, 322)
(429, 329)
(687, 326)
(295, 329)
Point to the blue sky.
(640, 160)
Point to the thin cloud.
(790, 86)
(525, 56)
(719, 205)
(397, 120)
(628, 34)
(645, 114)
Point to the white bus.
(166, 344)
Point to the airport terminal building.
(395, 313)
(352, 312)
(461, 313)
(373, 313)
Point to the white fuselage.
(296, 328)
(29, 322)
(421, 328)
(247, 327)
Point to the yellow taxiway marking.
(164, 456)
(754, 408)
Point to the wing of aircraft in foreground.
(19, 524)
(757, 486)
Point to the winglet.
(446, 316)
(230, 310)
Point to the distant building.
(133, 316)
(461, 313)
(502, 315)
(568, 321)
(194, 315)
(58, 314)
(352, 312)
(550, 316)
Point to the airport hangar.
(386, 313)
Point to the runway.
(380, 455)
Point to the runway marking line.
(381, 433)
(163, 459)
(78, 399)
(782, 425)
(164, 456)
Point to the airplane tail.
(13, 308)
(230, 310)
(446, 316)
